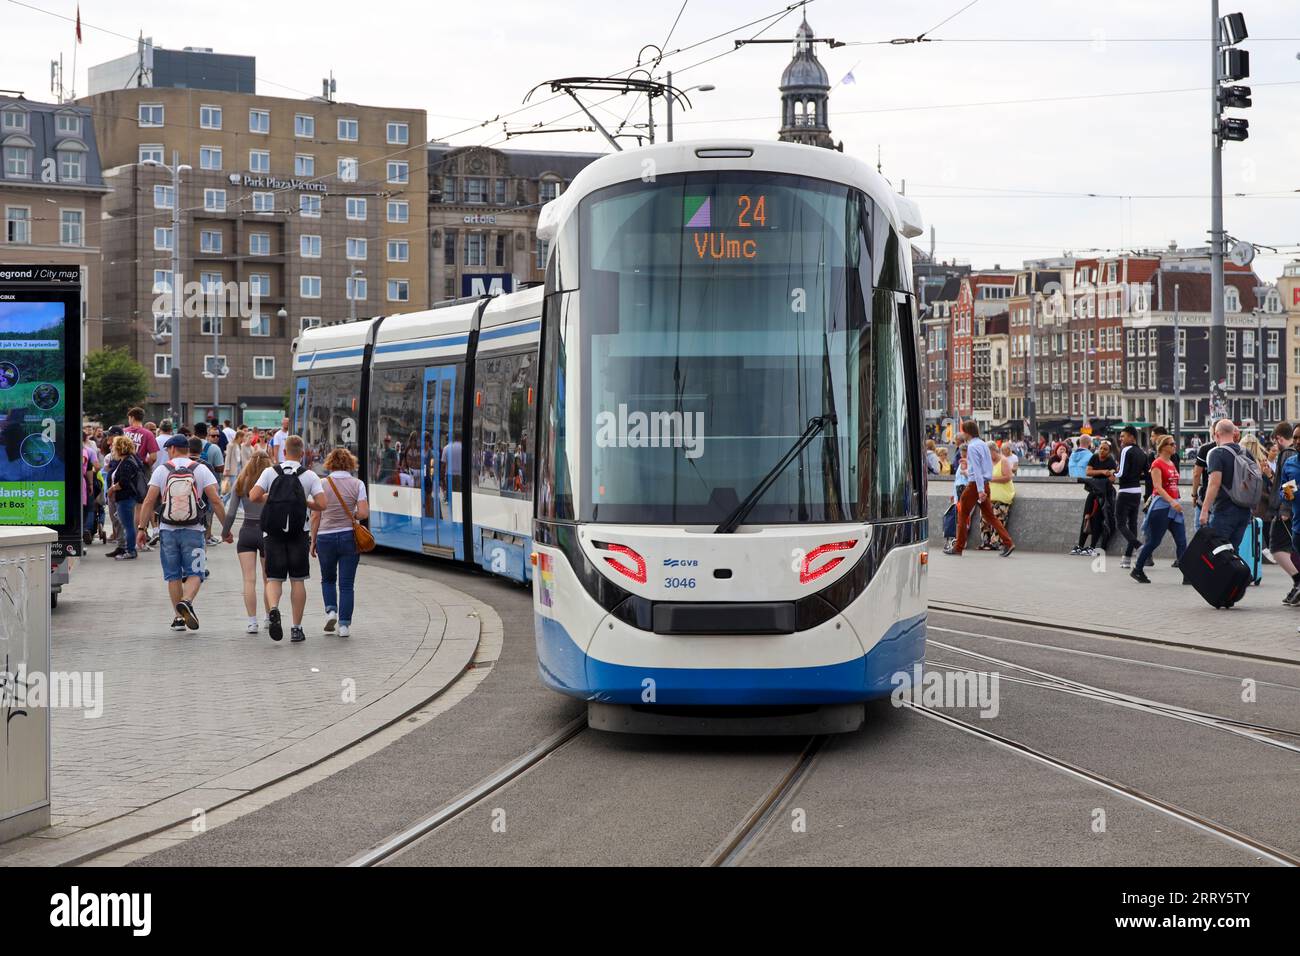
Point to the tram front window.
(718, 314)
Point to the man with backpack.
(287, 492)
(176, 490)
(211, 454)
(1234, 486)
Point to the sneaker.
(186, 611)
(153, 539)
(1137, 575)
(331, 619)
(114, 553)
(952, 551)
(1089, 552)
(128, 556)
(343, 630)
(178, 624)
(1125, 564)
(213, 541)
(1007, 549)
(1174, 563)
(1293, 597)
(1076, 551)
(296, 635)
(273, 624)
(251, 628)
(144, 547)
(1267, 555)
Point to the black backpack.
(285, 511)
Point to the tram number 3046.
(679, 582)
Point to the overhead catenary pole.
(1178, 383)
(1218, 329)
(669, 106)
(176, 293)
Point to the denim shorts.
(183, 553)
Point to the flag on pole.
(78, 23)
(849, 79)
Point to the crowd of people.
(1239, 485)
(149, 486)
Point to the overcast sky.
(1000, 183)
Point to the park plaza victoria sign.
(270, 182)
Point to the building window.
(162, 280)
(1272, 343)
(209, 282)
(399, 134)
(347, 169)
(547, 190)
(399, 172)
(210, 322)
(214, 200)
(399, 290)
(1232, 343)
(259, 284)
(13, 121)
(348, 130)
(263, 202)
(448, 188)
(543, 247)
(399, 210)
(449, 287)
(209, 117)
(18, 224)
(475, 189)
(1248, 343)
(1182, 375)
(151, 153)
(162, 365)
(309, 206)
(309, 247)
(215, 365)
(356, 210)
(71, 167)
(1232, 378)
(162, 238)
(263, 366)
(399, 250)
(259, 160)
(210, 157)
(304, 164)
(449, 258)
(304, 126)
(70, 227)
(356, 288)
(501, 249)
(259, 121)
(1248, 378)
(356, 249)
(499, 195)
(18, 162)
(308, 322)
(1231, 299)
(1271, 381)
(162, 323)
(210, 241)
(475, 253)
(150, 115)
(260, 326)
(259, 243)
(309, 287)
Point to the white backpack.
(180, 497)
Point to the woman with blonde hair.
(249, 547)
(127, 478)
(333, 541)
(236, 458)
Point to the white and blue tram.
(719, 385)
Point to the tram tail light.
(634, 568)
(808, 574)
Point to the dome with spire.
(805, 70)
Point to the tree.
(114, 382)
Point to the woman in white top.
(237, 455)
(332, 540)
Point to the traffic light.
(1233, 129)
(1234, 65)
(1236, 97)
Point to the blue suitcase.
(950, 522)
(1252, 546)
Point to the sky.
(27, 317)
(1086, 164)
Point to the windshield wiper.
(733, 520)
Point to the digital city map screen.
(40, 397)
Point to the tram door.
(438, 431)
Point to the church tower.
(805, 95)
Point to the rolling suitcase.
(1212, 566)
(1252, 550)
(950, 522)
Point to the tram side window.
(504, 416)
(554, 493)
(331, 422)
(891, 429)
(395, 397)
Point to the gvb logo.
(74, 908)
(637, 429)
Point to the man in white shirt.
(278, 440)
(229, 431)
(181, 544)
(287, 549)
(975, 494)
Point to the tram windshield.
(718, 314)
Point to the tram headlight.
(636, 571)
(807, 573)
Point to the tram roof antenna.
(615, 84)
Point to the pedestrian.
(1233, 483)
(931, 458)
(209, 452)
(229, 431)
(111, 461)
(1166, 512)
(128, 490)
(1280, 538)
(89, 483)
(249, 546)
(1002, 493)
(1094, 530)
(278, 440)
(945, 466)
(975, 494)
(238, 453)
(1130, 479)
(333, 541)
(287, 491)
(177, 486)
(143, 440)
(1059, 466)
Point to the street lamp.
(703, 88)
(176, 168)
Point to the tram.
(700, 441)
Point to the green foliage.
(114, 382)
